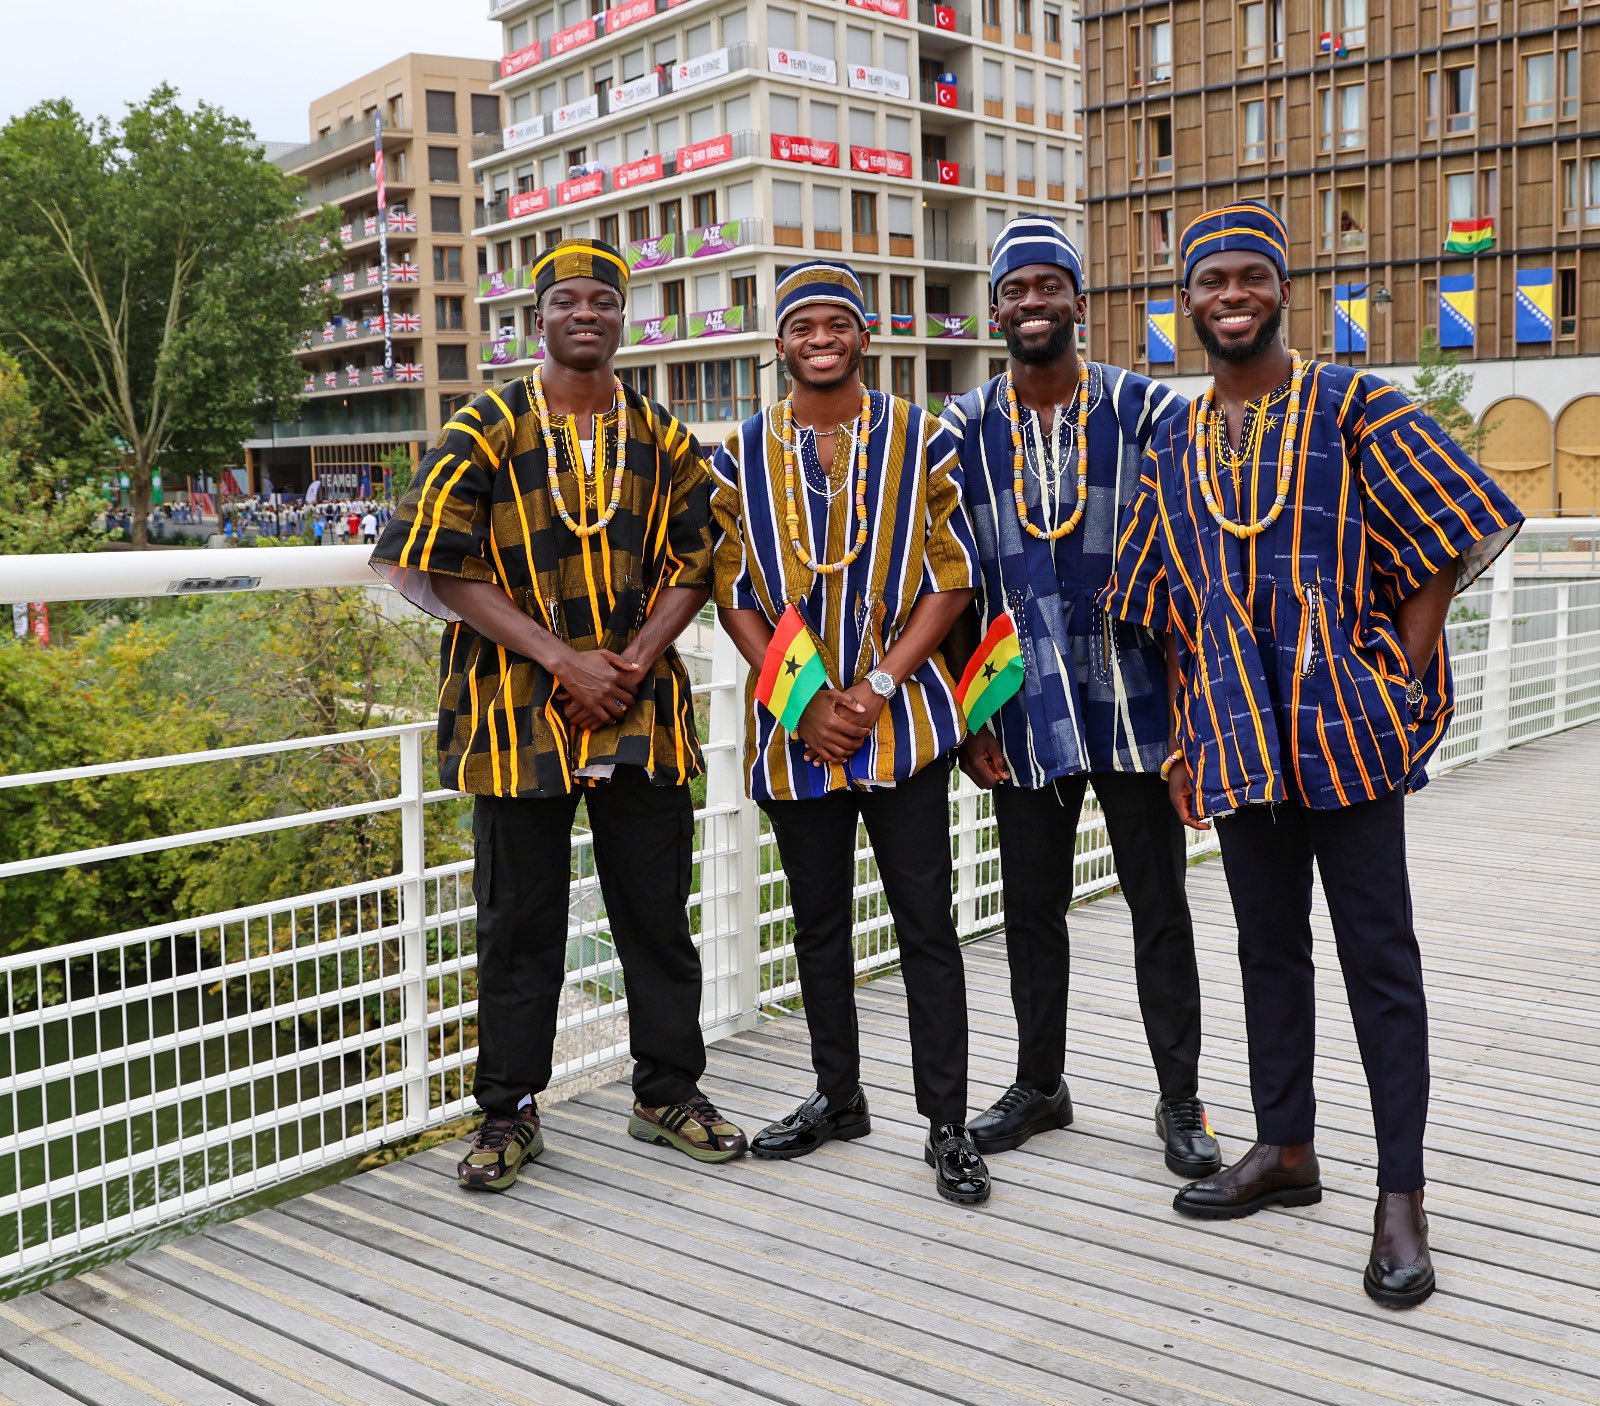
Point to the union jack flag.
(406, 272)
(327, 285)
(349, 283)
(401, 221)
(374, 275)
(352, 329)
(369, 227)
(377, 375)
(352, 374)
(323, 243)
(408, 322)
(328, 332)
(375, 324)
(408, 370)
(311, 383)
(347, 233)
(331, 380)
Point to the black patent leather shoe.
(1400, 1269)
(815, 1122)
(1017, 1115)
(1192, 1151)
(957, 1167)
(1265, 1176)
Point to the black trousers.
(1360, 852)
(909, 826)
(643, 852)
(1038, 834)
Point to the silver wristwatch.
(1414, 694)
(882, 683)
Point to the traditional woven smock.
(1294, 678)
(480, 508)
(1094, 691)
(919, 543)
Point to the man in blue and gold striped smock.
(1070, 434)
(844, 506)
(1300, 535)
(561, 526)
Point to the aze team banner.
(1536, 305)
(806, 151)
(1350, 318)
(640, 90)
(520, 59)
(879, 80)
(952, 324)
(717, 322)
(653, 331)
(528, 202)
(654, 253)
(699, 155)
(1161, 332)
(700, 70)
(502, 351)
(1458, 310)
(503, 281)
(638, 173)
(702, 243)
(874, 161)
(798, 65)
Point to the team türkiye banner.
(635, 173)
(581, 188)
(619, 17)
(520, 59)
(877, 162)
(708, 153)
(795, 64)
(807, 151)
(563, 41)
(528, 202)
(879, 80)
(895, 9)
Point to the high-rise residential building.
(716, 143)
(357, 409)
(1438, 164)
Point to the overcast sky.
(260, 61)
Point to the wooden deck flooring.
(620, 1273)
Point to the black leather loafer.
(1257, 1180)
(1400, 1270)
(1191, 1150)
(1018, 1114)
(815, 1122)
(958, 1169)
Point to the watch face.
(881, 683)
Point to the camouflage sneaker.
(693, 1127)
(502, 1145)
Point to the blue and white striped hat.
(820, 281)
(1033, 239)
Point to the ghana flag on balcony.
(992, 675)
(1469, 236)
(792, 672)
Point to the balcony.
(346, 187)
(339, 140)
(947, 173)
(946, 21)
(950, 251)
(947, 97)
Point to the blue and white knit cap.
(1033, 239)
(820, 281)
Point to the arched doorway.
(1578, 458)
(1516, 450)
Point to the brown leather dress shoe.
(1400, 1270)
(1264, 1176)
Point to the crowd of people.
(334, 523)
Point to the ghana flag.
(792, 672)
(992, 675)
(1469, 236)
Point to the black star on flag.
(988, 670)
(791, 665)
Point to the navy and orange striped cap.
(580, 258)
(1249, 225)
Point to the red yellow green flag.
(792, 672)
(992, 675)
(1469, 236)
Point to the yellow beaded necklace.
(1056, 533)
(1291, 426)
(536, 385)
(791, 514)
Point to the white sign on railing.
(576, 114)
(879, 80)
(519, 132)
(795, 64)
(631, 94)
(701, 70)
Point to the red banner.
(581, 188)
(635, 173)
(895, 9)
(564, 41)
(523, 58)
(708, 153)
(807, 151)
(528, 202)
(949, 173)
(619, 17)
(944, 94)
(877, 162)
(944, 17)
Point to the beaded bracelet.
(1172, 761)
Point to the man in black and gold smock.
(561, 526)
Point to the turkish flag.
(944, 17)
(944, 94)
(949, 173)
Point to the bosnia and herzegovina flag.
(1536, 305)
(1161, 334)
(1458, 310)
(992, 675)
(1349, 317)
(792, 672)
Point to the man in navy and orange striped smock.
(561, 525)
(1299, 535)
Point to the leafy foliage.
(41, 508)
(1441, 387)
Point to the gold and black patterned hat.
(580, 258)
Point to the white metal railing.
(152, 1073)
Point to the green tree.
(154, 280)
(1441, 387)
(398, 461)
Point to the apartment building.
(1438, 162)
(357, 408)
(716, 143)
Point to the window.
(1151, 46)
(1159, 132)
(1253, 32)
(1025, 17)
(452, 362)
(1569, 84)
(1344, 217)
(639, 222)
(485, 113)
(857, 44)
(1580, 192)
(1567, 302)
(447, 264)
(1458, 13)
(1539, 87)
(994, 155)
(672, 304)
(448, 314)
(786, 204)
(903, 377)
(724, 390)
(443, 164)
(863, 212)
(1344, 117)
(1431, 113)
(1253, 130)
(1460, 196)
(781, 31)
(445, 214)
(826, 210)
(640, 378)
(1460, 98)
(671, 213)
(1052, 25)
(744, 289)
(441, 111)
(704, 207)
(902, 217)
(1158, 238)
(824, 121)
(1277, 128)
(784, 112)
(902, 294)
(863, 128)
(1347, 20)
(991, 13)
(449, 404)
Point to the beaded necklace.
(1291, 426)
(791, 512)
(1017, 458)
(536, 385)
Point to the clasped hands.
(836, 722)
(596, 687)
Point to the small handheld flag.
(792, 672)
(993, 674)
